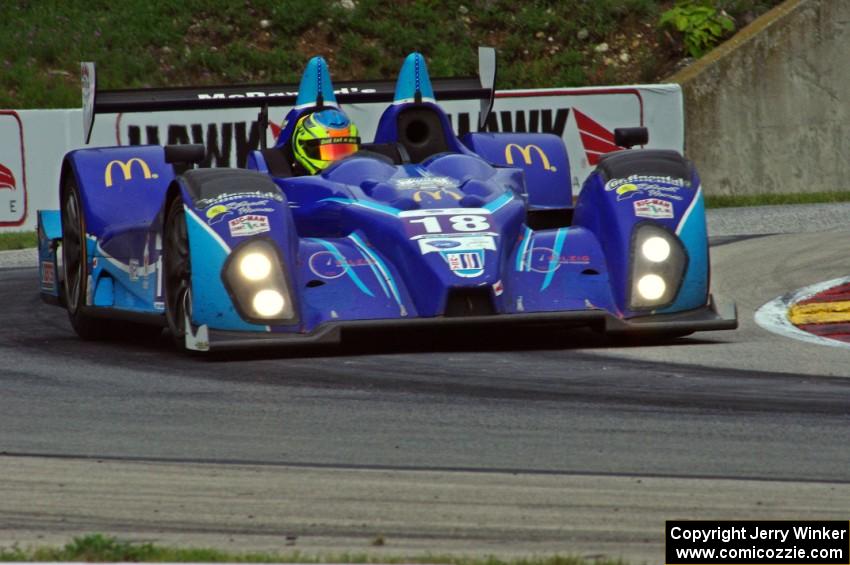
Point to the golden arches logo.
(435, 194)
(526, 155)
(127, 170)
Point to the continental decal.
(525, 152)
(126, 168)
(614, 184)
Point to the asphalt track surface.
(728, 424)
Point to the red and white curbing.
(774, 316)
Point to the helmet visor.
(331, 148)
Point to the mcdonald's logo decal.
(127, 170)
(526, 155)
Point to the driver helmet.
(322, 137)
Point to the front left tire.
(75, 264)
(76, 280)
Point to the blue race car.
(417, 229)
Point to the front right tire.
(177, 275)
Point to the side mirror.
(629, 137)
(194, 153)
(183, 157)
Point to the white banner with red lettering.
(32, 142)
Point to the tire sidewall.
(71, 192)
(174, 310)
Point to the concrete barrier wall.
(769, 111)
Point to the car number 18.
(433, 224)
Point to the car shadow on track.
(385, 342)
(56, 336)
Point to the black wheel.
(177, 272)
(75, 264)
(75, 284)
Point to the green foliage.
(700, 23)
(138, 43)
(17, 240)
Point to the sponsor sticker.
(431, 188)
(465, 264)
(457, 243)
(126, 170)
(228, 197)
(624, 189)
(498, 288)
(215, 211)
(436, 226)
(256, 93)
(543, 260)
(326, 265)
(613, 184)
(440, 244)
(653, 208)
(134, 269)
(647, 185)
(218, 212)
(48, 275)
(526, 153)
(248, 225)
(424, 183)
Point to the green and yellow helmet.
(320, 138)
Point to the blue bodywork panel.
(541, 156)
(612, 209)
(369, 239)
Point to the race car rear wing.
(263, 95)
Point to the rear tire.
(177, 272)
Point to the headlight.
(656, 249)
(257, 283)
(651, 287)
(268, 303)
(658, 265)
(255, 266)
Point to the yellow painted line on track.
(820, 313)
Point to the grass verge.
(97, 548)
(18, 240)
(776, 199)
